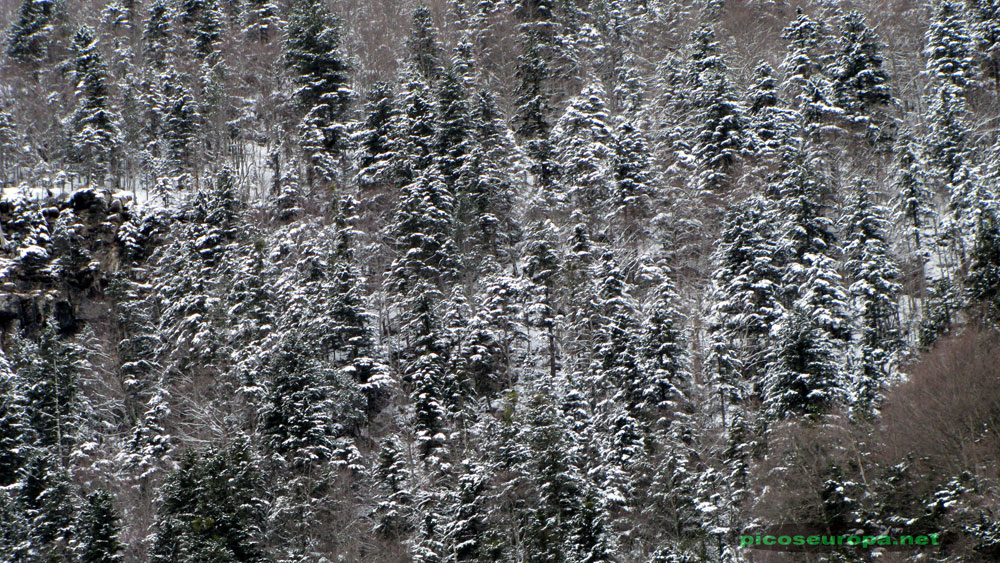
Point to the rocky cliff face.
(57, 256)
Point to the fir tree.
(392, 513)
(376, 138)
(585, 144)
(50, 369)
(747, 289)
(718, 136)
(312, 51)
(94, 124)
(424, 47)
(806, 66)
(770, 121)
(202, 22)
(874, 292)
(803, 375)
(98, 531)
(211, 509)
(16, 435)
(860, 85)
(664, 348)
(532, 115)
(45, 502)
(29, 37)
(949, 47)
(913, 200)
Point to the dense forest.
(497, 280)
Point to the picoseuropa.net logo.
(823, 539)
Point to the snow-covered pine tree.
(211, 509)
(717, 135)
(913, 202)
(424, 47)
(45, 502)
(532, 116)
(949, 47)
(415, 133)
(803, 373)
(985, 27)
(860, 84)
(486, 227)
(585, 145)
(29, 37)
(542, 270)
(453, 141)
(376, 138)
(50, 369)
(201, 21)
(633, 191)
(808, 249)
(874, 291)
(747, 295)
(426, 262)
(97, 531)
(94, 125)
(393, 511)
(770, 121)
(313, 52)
(806, 68)
(664, 349)
(16, 434)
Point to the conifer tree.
(806, 67)
(484, 190)
(633, 191)
(808, 250)
(202, 23)
(913, 200)
(585, 144)
(44, 500)
(664, 349)
(98, 531)
(803, 375)
(532, 119)
(50, 369)
(718, 137)
(949, 47)
(414, 139)
(28, 39)
(393, 511)
(313, 52)
(747, 290)
(771, 123)
(95, 131)
(16, 435)
(874, 292)
(376, 138)
(424, 47)
(860, 84)
(985, 27)
(211, 509)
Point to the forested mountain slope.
(497, 280)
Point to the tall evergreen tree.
(860, 84)
(96, 135)
(949, 47)
(718, 134)
(98, 531)
(313, 52)
(875, 294)
(585, 144)
(806, 67)
(211, 509)
(29, 37)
